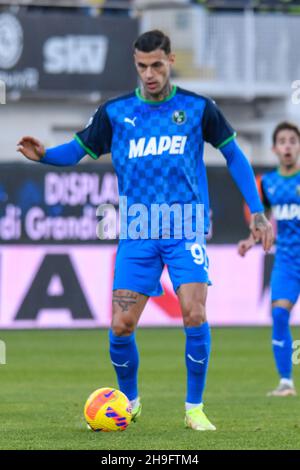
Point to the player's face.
(154, 69)
(287, 147)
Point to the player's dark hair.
(152, 40)
(285, 125)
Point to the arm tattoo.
(260, 220)
(125, 300)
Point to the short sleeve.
(215, 128)
(96, 137)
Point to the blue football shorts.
(139, 264)
(285, 282)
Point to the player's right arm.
(62, 155)
(94, 140)
(31, 148)
(246, 245)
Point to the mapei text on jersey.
(174, 145)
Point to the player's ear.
(135, 58)
(172, 58)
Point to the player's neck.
(165, 93)
(288, 170)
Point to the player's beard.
(159, 95)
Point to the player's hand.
(245, 245)
(31, 148)
(262, 230)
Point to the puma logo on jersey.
(286, 211)
(130, 121)
(174, 145)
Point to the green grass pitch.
(49, 375)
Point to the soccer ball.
(107, 409)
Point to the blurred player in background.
(156, 136)
(280, 191)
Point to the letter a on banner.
(40, 296)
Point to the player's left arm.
(242, 173)
(218, 132)
(245, 245)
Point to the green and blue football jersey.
(157, 147)
(282, 195)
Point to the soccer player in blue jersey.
(156, 136)
(281, 194)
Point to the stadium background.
(59, 60)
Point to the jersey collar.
(288, 176)
(168, 98)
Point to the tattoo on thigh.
(125, 300)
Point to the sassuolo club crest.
(179, 117)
